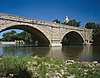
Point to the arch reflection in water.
(24, 50)
(96, 53)
(56, 52)
(72, 52)
(86, 53)
(1, 50)
(81, 53)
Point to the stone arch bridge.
(51, 34)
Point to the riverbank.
(35, 67)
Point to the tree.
(73, 23)
(24, 36)
(56, 21)
(97, 26)
(96, 33)
(13, 32)
(96, 36)
(12, 36)
(9, 36)
(90, 25)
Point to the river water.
(75, 52)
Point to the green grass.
(35, 67)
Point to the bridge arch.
(50, 33)
(72, 38)
(42, 38)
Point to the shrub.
(13, 66)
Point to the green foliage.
(56, 21)
(12, 36)
(81, 70)
(9, 36)
(35, 67)
(12, 65)
(24, 36)
(96, 32)
(90, 25)
(73, 23)
(96, 36)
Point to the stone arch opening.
(40, 37)
(72, 38)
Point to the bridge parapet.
(31, 21)
(23, 19)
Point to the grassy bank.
(35, 67)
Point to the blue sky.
(48, 10)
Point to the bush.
(35, 67)
(13, 66)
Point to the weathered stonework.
(53, 32)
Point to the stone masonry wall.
(53, 31)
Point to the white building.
(66, 19)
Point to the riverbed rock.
(95, 62)
(98, 64)
(35, 63)
(70, 61)
(87, 64)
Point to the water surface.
(75, 52)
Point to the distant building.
(66, 19)
(19, 42)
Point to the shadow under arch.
(72, 52)
(72, 38)
(39, 35)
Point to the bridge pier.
(55, 43)
(87, 43)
